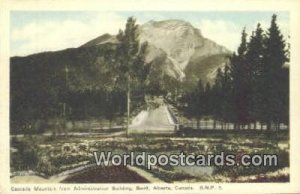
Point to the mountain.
(178, 55)
(103, 39)
(176, 52)
(182, 47)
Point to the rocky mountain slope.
(182, 47)
(40, 83)
(176, 52)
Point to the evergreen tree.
(199, 100)
(130, 67)
(274, 59)
(207, 100)
(217, 96)
(255, 61)
(240, 86)
(227, 108)
(221, 96)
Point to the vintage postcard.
(150, 97)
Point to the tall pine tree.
(130, 67)
(255, 61)
(239, 72)
(274, 60)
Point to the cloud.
(50, 35)
(228, 33)
(222, 32)
(56, 35)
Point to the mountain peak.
(178, 41)
(104, 38)
(180, 26)
(169, 23)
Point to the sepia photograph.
(148, 101)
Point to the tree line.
(252, 87)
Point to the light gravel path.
(145, 174)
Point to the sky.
(36, 31)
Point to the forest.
(253, 87)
